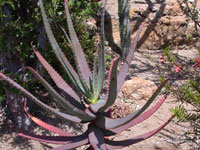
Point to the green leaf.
(81, 63)
(127, 61)
(64, 103)
(59, 81)
(59, 54)
(37, 101)
(112, 87)
(101, 69)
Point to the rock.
(138, 89)
(173, 9)
(91, 24)
(134, 91)
(165, 23)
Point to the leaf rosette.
(89, 107)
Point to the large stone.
(138, 89)
(165, 23)
(134, 91)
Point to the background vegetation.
(21, 23)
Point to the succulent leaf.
(82, 65)
(108, 123)
(48, 139)
(101, 69)
(79, 141)
(137, 120)
(124, 69)
(112, 87)
(124, 143)
(85, 90)
(124, 22)
(96, 138)
(72, 101)
(90, 113)
(67, 37)
(94, 73)
(59, 81)
(57, 97)
(47, 126)
(91, 85)
(37, 101)
(95, 107)
(58, 52)
(64, 87)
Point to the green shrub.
(188, 94)
(192, 11)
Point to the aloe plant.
(91, 107)
(124, 23)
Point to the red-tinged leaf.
(89, 112)
(109, 123)
(112, 87)
(59, 81)
(37, 101)
(49, 139)
(95, 107)
(54, 139)
(47, 126)
(72, 101)
(68, 104)
(59, 54)
(79, 141)
(96, 138)
(139, 119)
(81, 62)
(120, 144)
(124, 69)
(71, 109)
